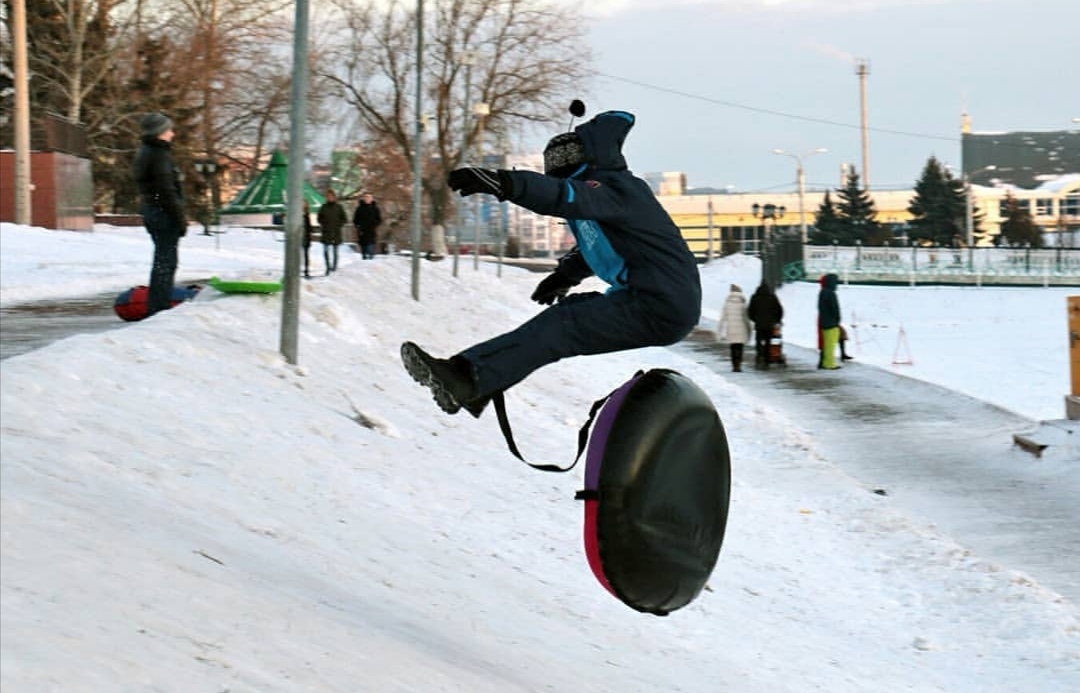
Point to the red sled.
(130, 305)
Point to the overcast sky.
(711, 80)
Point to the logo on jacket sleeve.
(593, 183)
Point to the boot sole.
(413, 359)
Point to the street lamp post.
(206, 168)
(765, 212)
(709, 249)
(969, 209)
(468, 59)
(480, 110)
(801, 181)
(504, 222)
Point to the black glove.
(552, 288)
(469, 181)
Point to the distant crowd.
(763, 316)
(332, 219)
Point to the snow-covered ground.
(183, 510)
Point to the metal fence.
(785, 259)
(918, 264)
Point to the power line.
(769, 111)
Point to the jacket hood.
(603, 137)
(830, 281)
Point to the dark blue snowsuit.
(624, 237)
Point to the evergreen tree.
(939, 208)
(1019, 228)
(955, 221)
(856, 215)
(825, 223)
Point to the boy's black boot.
(477, 406)
(450, 380)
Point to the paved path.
(28, 326)
(939, 455)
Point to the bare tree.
(220, 68)
(236, 66)
(527, 58)
(75, 47)
(77, 43)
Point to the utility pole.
(418, 152)
(800, 178)
(22, 113)
(862, 69)
(294, 199)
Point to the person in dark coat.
(623, 236)
(332, 218)
(309, 231)
(829, 321)
(366, 219)
(161, 204)
(766, 312)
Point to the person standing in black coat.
(766, 312)
(161, 204)
(332, 218)
(623, 237)
(308, 233)
(366, 219)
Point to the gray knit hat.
(154, 124)
(563, 154)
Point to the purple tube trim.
(598, 439)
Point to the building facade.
(1023, 159)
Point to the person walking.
(623, 236)
(829, 321)
(366, 219)
(161, 204)
(332, 218)
(308, 233)
(766, 312)
(734, 325)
